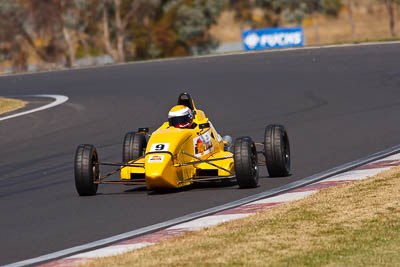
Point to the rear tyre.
(277, 150)
(86, 170)
(134, 146)
(245, 161)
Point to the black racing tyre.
(246, 162)
(134, 146)
(277, 150)
(86, 170)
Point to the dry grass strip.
(350, 225)
(8, 104)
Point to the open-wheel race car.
(184, 150)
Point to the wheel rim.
(286, 151)
(143, 149)
(95, 168)
(254, 161)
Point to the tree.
(56, 30)
(17, 35)
(390, 8)
(192, 22)
(293, 11)
(296, 11)
(351, 19)
(58, 19)
(332, 7)
(244, 12)
(142, 29)
(50, 28)
(177, 28)
(123, 12)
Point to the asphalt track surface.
(338, 104)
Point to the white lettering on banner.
(280, 39)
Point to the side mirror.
(204, 125)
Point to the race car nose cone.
(158, 181)
(160, 172)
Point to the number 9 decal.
(159, 147)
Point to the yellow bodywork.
(164, 156)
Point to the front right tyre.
(277, 150)
(134, 146)
(246, 162)
(86, 170)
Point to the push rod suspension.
(140, 165)
(204, 161)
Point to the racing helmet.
(180, 116)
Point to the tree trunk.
(20, 60)
(106, 34)
(85, 48)
(120, 31)
(389, 5)
(316, 31)
(42, 55)
(70, 44)
(120, 25)
(351, 19)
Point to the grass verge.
(8, 104)
(349, 225)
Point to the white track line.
(285, 197)
(356, 175)
(59, 99)
(209, 221)
(110, 251)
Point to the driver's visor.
(182, 120)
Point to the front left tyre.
(86, 170)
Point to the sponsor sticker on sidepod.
(156, 158)
(202, 145)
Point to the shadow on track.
(199, 186)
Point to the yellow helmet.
(180, 116)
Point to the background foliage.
(58, 32)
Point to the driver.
(180, 116)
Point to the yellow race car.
(184, 150)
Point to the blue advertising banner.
(272, 38)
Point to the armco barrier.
(272, 38)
